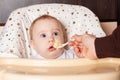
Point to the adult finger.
(77, 50)
(77, 37)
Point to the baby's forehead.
(49, 22)
(47, 28)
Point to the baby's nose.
(51, 39)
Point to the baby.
(45, 31)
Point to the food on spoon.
(57, 44)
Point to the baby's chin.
(56, 54)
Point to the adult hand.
(84, 46)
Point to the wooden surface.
(56, 67)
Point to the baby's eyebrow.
(41, 32)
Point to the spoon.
(62, 45)
(59, 45)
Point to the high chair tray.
(54, 69)
(60, 66)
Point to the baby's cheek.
(61, 50)
(63, 40)
(58, 39)
(42, 50)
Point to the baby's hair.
(49, 17)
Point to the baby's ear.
(31, 44)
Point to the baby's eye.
(55, 34)
(43, 35)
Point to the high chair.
(14, 39)
(77, 19)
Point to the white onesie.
(67, 54)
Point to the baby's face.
(45, 33)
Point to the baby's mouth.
(51, 48)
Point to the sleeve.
(108, 46)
